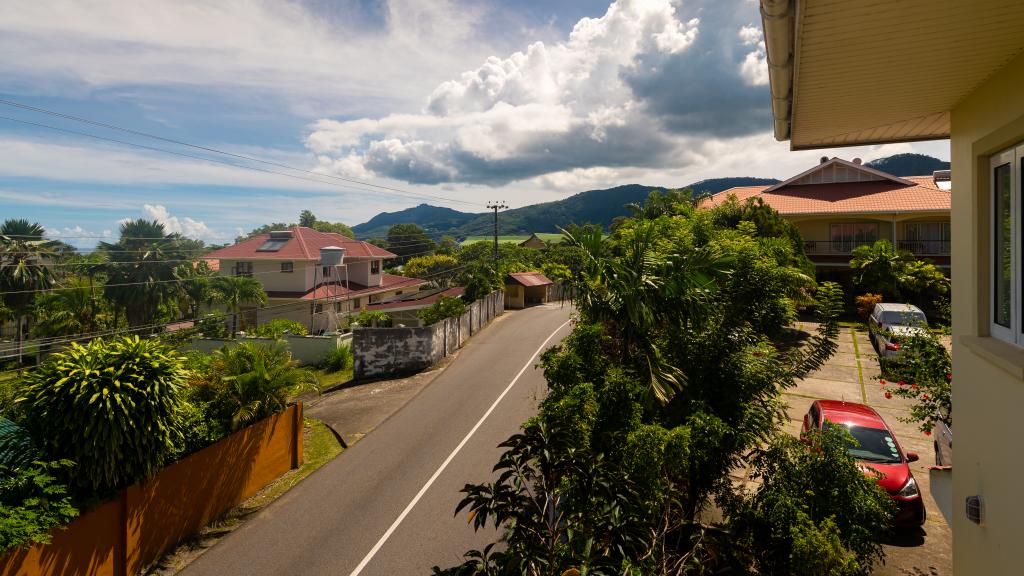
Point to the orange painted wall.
(123, 536)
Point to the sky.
(351, 108)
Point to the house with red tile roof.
(317, 278)
(839, 205)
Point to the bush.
(111, 406)
(255, 381)
(337, 359)
(376, 318)
(213, 326)
(866, 304)
(276, 328)
(813, 499)
(446, 307)
(923, 374)
(32, 501)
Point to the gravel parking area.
(853, 375)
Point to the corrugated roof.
(419, 299)
(388, 282)
(530, 278)
(846, 197)
(305, 244)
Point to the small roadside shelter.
(525, 288)
(534, 241)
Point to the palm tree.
(195, 286)
(24, 255)
(140, 269)
(234, 292)
(258, 380)
(71, 310)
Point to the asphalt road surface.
(386, 505)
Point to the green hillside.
(908, 164)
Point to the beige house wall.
(988, 375)
(816, 230)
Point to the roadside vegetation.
(671, 380)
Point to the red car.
(878, 450)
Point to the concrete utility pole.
(496, 206)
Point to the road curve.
(383, 507)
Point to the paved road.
(335, 521)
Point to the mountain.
(908, 164)
(599, 206)
(433, 219)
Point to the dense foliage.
(670, 380)
(277, 328)
(896, 274)
(439, 269)
(33, 501)
(110, 406)
(445, 307)
(337, 360)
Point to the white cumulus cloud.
(185, 226)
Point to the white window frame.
(287, 267)
(375, 267)
(1013, 334)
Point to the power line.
(226, 163)
(215, 150)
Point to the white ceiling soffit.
(850, 73)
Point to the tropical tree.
(439, 268)
(73, 309)
(234, 292)
(24, 257)
(140, 269)
(896, 274)
(335, 227)
(256, 381)
(194, 287)
(408, 240)
(307, 219)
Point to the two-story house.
(839, 205)
(316, 278)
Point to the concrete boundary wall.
(122, 536)
(387, 351)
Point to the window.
(926, 237)
(357, 303)
(318, 308)
(243, 269)
(287, 267)
(1006, 250)
(375, 267)
(849, 235)
(328, 271)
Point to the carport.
(523, 289)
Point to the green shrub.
(277, 327)
(213, 326)
(337, 359)
(374, 318)
(32, 501)
(255, 381)
(923, 374)
(818, 550)
(111, 406)
(446, 307)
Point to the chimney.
(823, 160)
(857, 161)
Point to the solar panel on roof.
(272, 245)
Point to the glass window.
(1007, 245)
(328, 271)
(873, 445)
(243, 269)
(375, 267)
(926, 237)
(904, 318)
(287, 267)
(849, 235)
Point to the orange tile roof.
(305, 244)
(846, 197)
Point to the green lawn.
(331, 379)
(516, 239)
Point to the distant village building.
(534, 241)
(525, 288)
(317, 278)
(839, 205)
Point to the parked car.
(877, 450)
(890, 322)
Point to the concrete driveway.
(853, 375)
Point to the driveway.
(853, 375)
(386, 506)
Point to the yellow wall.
(988, 375)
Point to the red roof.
(530, 278)
(387, 282)
(430, 296)
(882, 196)
(305, 244)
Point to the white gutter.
(777, 20)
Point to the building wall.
(359, 272)
(515, 296)
(268, 273)
(988, 375)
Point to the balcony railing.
(918, 247)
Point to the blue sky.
(466, 100)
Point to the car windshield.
(873, 445)
(904, 318)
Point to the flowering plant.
(923, 374)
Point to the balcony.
(846, 247)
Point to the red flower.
(949, 376)
(902, 383)
(914, 386)
(888, 394)
(882, 382)
(927, 432)
(924, 396)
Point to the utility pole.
(496, 206)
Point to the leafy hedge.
(277, 327)
(32, 501)
(446, 307)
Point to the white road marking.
(376, 547)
